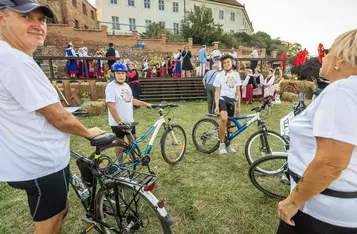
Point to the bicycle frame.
(135, 143)
(240, 128)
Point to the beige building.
(123, 16)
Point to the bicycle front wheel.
(275, 184)
(173, 144)
(205, 136)
(264, 143)
(118, 152)
(135, 212)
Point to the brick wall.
(66, 12)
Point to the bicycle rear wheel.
(136, 213)
(173, 144)
(205, 135)
(275, 184)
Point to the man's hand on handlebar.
(123, 123)
(93, 132)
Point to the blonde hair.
(345, 47)
(215, 66)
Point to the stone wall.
(66, 13)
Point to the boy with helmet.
(120, 101)
(227, 97)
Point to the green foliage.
(176, 38)
(309, 71)
(154, 31)
(200, 25)
(292, 48)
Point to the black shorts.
(306, 224)
(120, 134)
(47, 196)
(226, 106)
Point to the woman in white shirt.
(323, 151)
(269, 84)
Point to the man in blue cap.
(34, 127)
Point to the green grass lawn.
(203, 193)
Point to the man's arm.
(216, 96)
(113, 110)
(239, 99)
(137, 102)
(66, 122)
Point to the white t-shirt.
(332, 115)
(254, 54)
(228, 83)
(30, 147)
(123, 98)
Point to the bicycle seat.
(102, 139)
(127, 127)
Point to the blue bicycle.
(173, 143)
(205, 134)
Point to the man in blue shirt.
(208, 81)
(202, 58)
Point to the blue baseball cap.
(26, 6)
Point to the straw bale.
(287, 96)
(95, 107)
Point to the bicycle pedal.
(88, 229)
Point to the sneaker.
(222, 151)
(230, 149)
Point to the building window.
(147, 23)
(131, 3)
(233, 16)
(113, 2)
(175, 7)
(161, 5)
(85, 27)
(84, 8)
(132, 24)
(74, 3)
(92, 14)
(115, 22)
(221, 14)
(162, 24)
(176, 28)
(147, 3)
(76, 24)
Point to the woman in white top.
(269, 84)
(323, 151)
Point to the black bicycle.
(120, 200)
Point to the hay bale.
(297, 86)
(95, 108)
(287, 96)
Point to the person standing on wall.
(254, 63)
(113, 55)
(186, 62)
(34, 126)
(202, 59)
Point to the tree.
(154, 31)
(292, 48)
(199, 24)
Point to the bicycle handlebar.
(163, 106)
(260, 108)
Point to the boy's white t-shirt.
(228, 84)
(331, 115)
(123, 98)
(30, 146)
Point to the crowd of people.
(35, 128)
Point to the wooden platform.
(162, 89)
